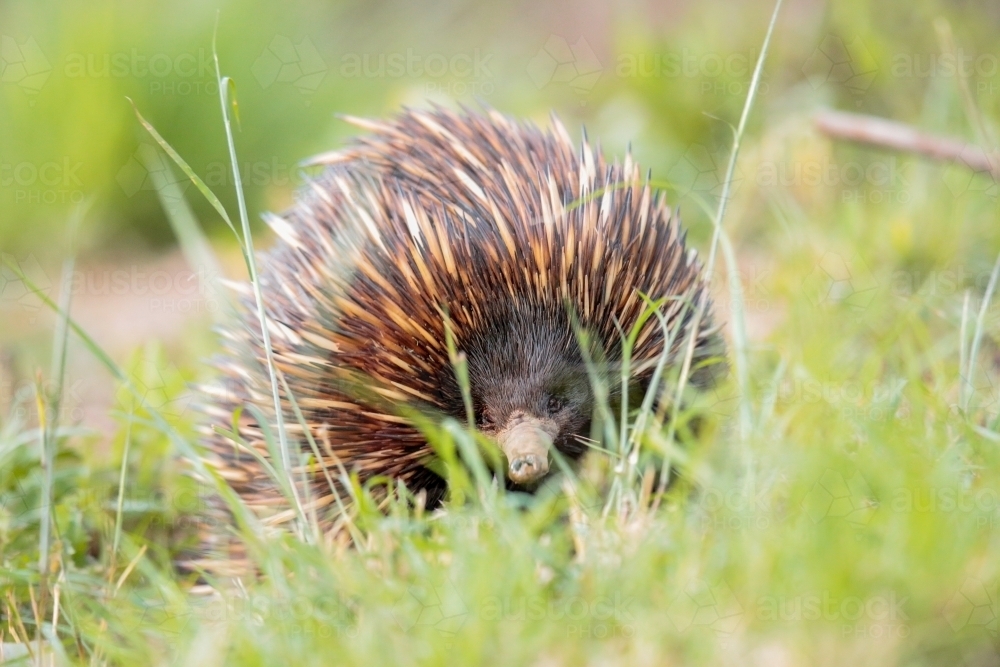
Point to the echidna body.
(507, 235)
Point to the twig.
(894, 135)
(131, 566)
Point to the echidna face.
(530, 388)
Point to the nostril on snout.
(526, 462)
(526, 469)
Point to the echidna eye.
(485, 419)
(555, 404)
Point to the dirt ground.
(123, 306)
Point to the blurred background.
(669, 77)
(857, 457)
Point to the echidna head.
(530, 387)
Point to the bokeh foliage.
(855, 519)
(656, 76)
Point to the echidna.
(492, 227)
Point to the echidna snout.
(526, 443)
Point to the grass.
(839, 505)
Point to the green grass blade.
(727, 184)
(225, 86)
(119, 506)
(186, 168)
(50, 428)
(977, 335)
(741, 345)
(193, 242)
